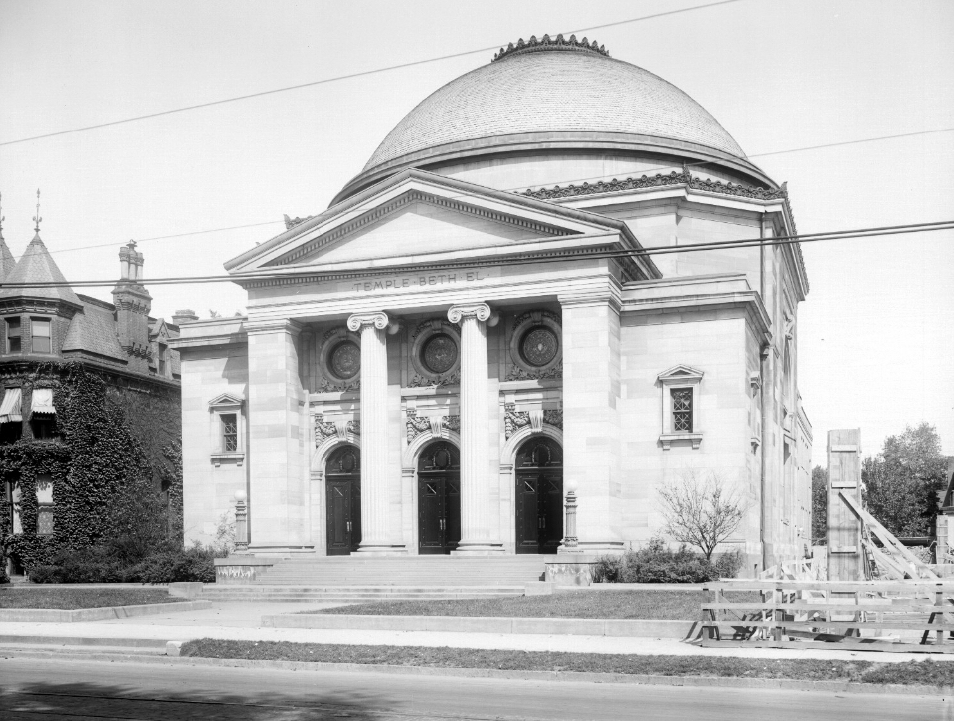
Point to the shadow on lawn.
(98, 700)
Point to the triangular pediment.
(680, 372)
(414, 223)
(226, 400)
(421, 218)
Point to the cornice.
(546, 43)
(259, 327)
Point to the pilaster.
(591, 393)
(279, 513)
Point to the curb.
(54, 615)
(478, 624)
(559, 676)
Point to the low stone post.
(241, 522)
(570, 542)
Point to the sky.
(876, 334)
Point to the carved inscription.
(420, 281)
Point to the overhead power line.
(520, 188)
(339, 78)
(688, 248)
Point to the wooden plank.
(809, 625)
(809, 605)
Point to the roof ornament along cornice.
(548, 43)
(674, 178)
(36, 218)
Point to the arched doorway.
(438, 498)
(343, 501)
(539, 496)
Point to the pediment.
(680, 373)
(417, 217)
(417, 222)
(226, 400)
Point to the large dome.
(559, 94)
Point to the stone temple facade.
(474, 326)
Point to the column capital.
(358, 320)
(480, 311)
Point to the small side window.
(229, 432)
(13, 335)
(42, 337)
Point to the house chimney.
(184, 316)
(132, 304)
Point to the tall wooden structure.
(845, 557)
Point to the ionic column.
(475, 509)
(375, 504)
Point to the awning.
(10, 408)
(42, 402)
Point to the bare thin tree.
(701, 513)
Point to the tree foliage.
(701, 512)
(819, 506)
(902, 481)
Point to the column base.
(478, 549)
(281, 550)
(383, 549)
(600, 547)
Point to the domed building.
(520, 300)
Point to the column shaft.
(375, 502)
(474, 413)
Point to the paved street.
(43, 689)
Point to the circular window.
(439, 353)
(345, 360)
(539, 346)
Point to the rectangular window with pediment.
(228, 430)
(680, 424)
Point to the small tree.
(701, 513)
(819, 506)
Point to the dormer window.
(42, 336)
(13, 335)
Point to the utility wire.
(689, 248)
(343, 77)
(521, 187)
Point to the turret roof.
(36, 266)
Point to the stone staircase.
(339, 579)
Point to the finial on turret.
(37, 218)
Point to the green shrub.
(655, 564)
(109, 563)
(730, 563)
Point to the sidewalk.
(241, 621)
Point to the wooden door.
(438, 487)
(343, 501)
(539, 497)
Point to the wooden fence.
(907, 616)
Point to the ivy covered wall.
(116, 467)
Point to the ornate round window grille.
(541, 455)
(539, 346)
(345, 360)
(439, 353)
(442, 459)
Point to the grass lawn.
(671, 605)
(74, 598)
(927, 672)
